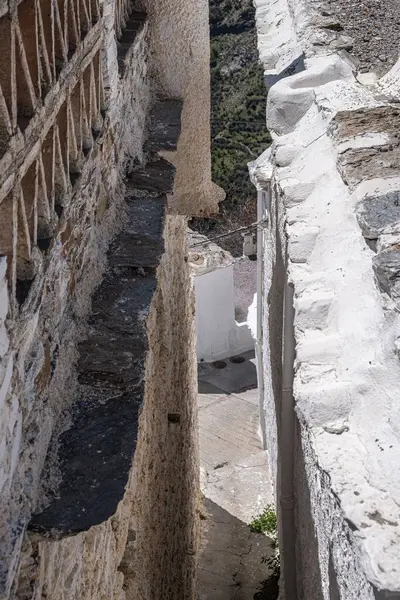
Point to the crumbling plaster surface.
(147, 549)
(347, 371)
(180, 59)
(36, 395)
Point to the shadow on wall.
(229, 376)
(232, 561)
(307, 557)
(297, 66)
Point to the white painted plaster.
(345, 303)
(219, 335)
(347, 370)
(277, 42)
(252, 317)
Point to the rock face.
(379, 214)
(332, 188)
(98, 459)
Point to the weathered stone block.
(380, 214)
(165, 125)
(156, 178)
(387, 271)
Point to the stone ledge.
(165, 126)
(155, 178)
(133, 27)
(95, 454)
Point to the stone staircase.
(95, 454)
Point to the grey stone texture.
(386, 266)
(373, 26)
(379, 214)
(235, 483)
(96, 331)
(357, 164)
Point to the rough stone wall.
(166, 467)
(147, 548)
(81, 216)
(333, 175)
(72, 123)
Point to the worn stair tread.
(95, 454)
(95, 460)
(156, 177)
(165, 125)
(141, 242)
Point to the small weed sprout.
(265, 522)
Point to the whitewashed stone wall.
(38, 340)
(347, 372)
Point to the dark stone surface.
(387, 271)
(124, 43)
(156, 178)
(95, 459)
(379, 214)
(165, 125)
(385, 594)
(140, 244)
(95, 454)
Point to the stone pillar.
(180, 57)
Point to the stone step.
(165, 126)
(134, 25)
(156, 177)
(95, 457)
(95, 454)
(140, 244)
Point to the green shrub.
(265, 522)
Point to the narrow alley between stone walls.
(238, 557)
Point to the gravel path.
(374, 26)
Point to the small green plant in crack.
(265, 522)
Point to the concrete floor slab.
(235, 482)
(243, 488)
(252, 396)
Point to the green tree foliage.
(238, 98)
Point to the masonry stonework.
(97, 345)
(333, 227)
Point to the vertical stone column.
(180, 57)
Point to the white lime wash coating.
(347, 369)
(219, 335)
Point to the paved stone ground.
(235, 482)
